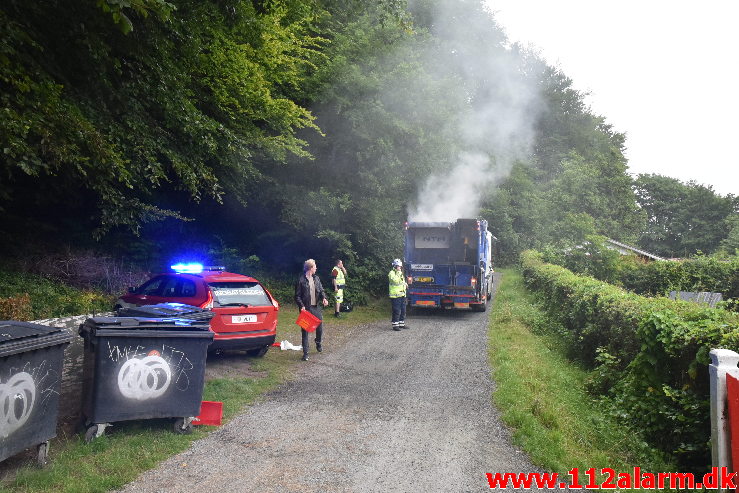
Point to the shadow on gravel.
(441, 313)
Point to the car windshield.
(239, 293)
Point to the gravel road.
(388, 411)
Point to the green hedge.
(648, 356)
(651, 278)
(696, 274)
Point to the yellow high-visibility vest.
(397, 283)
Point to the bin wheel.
(182, 427)
(258, 352)
(42, 454)
(91, 433)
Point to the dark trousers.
(398, 310)
(314, 310)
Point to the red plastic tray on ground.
(210, 414)
(307, 321)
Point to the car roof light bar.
(191, 268)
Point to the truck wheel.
(258, 352)
(480, 307)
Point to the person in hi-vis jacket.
(397, 288)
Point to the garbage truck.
(449, 264)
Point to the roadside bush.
(648, 355)
(282, 286)
(15, 307)
(85, 270)
(591, 258)
(696, 274)
(25, 296)
(701, 273)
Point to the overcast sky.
(665, 73)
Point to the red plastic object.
(210, 414)
(307, 321)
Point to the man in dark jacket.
(309, 295)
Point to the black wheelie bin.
(143, 368)
(31, 361)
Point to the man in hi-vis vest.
(338, 277)
(398, 287)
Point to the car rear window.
(239, 293)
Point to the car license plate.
(461, 305)
(426, 303)
(423, 279)
(242, 319)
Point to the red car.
(244, 312)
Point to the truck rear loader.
(448, 264)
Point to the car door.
(186, 291)
(150, 293)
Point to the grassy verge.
(541, 395)
(130, 448)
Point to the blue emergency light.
(191, 268)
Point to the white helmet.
(397, 263)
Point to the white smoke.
(496, 126)
(446, 197)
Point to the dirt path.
(388, 411)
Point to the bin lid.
(17, 336)
(98, 327)
(167, 310)
(145, 323)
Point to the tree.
(187, 104)
(730, 244)
(682, 218)
(600, 188)
(515, 213)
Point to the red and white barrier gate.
(724, 374)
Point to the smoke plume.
(494, 126)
